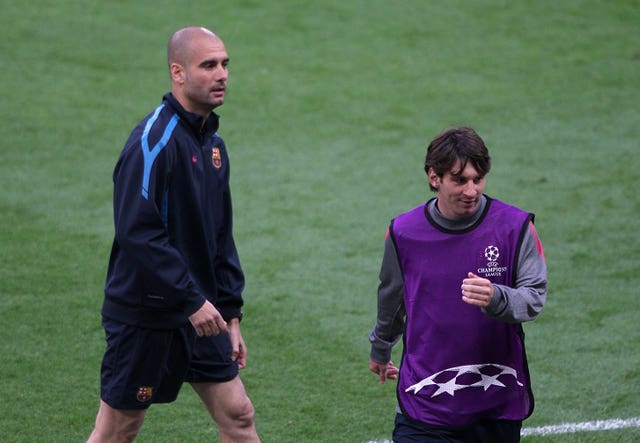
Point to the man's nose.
(470, 188)
(222, 73)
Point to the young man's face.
(459, 191)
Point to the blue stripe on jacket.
(150, 155)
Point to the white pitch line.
(588, 426)
(569, 428)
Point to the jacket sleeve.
(525, 301)
(229, 274)
(140, 230)
(391, 311)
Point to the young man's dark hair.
(461, 143)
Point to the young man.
(459, 275)
(172, 306)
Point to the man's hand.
(208, 321)
(384, 370)
(476, 290)
(239, 349)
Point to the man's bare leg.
(116, 425)
(231, 409)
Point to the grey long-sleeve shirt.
(517, 304)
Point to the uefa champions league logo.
(493, 268)
(491, 253)
(475, 376)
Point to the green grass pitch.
(330, 108)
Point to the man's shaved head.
(180, 44)
(198, 69)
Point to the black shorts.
(144, 366)
(211, 362)
(408, 430)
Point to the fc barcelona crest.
(144, 394)
(216, 158)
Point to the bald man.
(173, 294)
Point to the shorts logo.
(216, 158)
(144, 394)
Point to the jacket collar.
(193, 121)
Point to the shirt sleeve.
(391, 312)
(525, 301)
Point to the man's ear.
(177, 73)
(434, 180)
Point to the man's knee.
(122, 433)
(130, 427)
(242, 412)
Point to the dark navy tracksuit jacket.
(173, 245)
